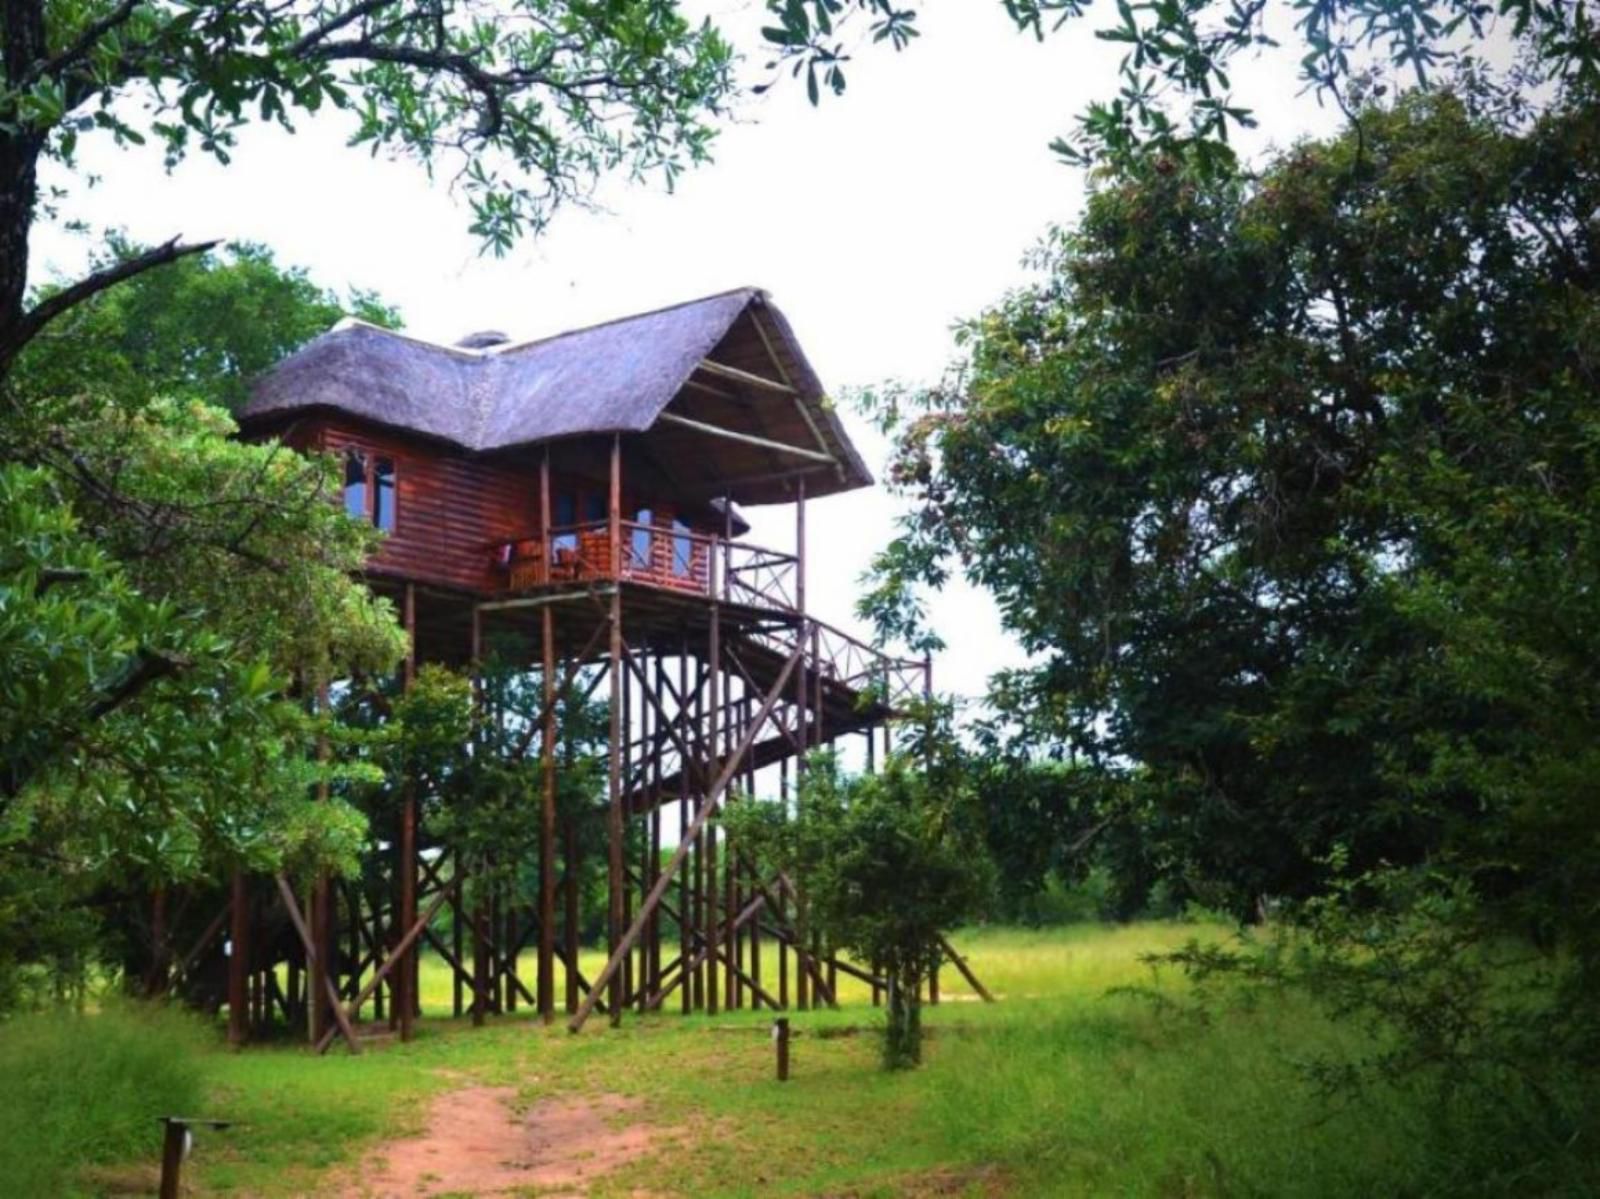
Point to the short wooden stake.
(175, 1144)
(780, 1038)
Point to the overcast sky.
(876, 222)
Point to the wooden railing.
(677, 559)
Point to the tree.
(1179, 59)
(526, 105)
(1221, 412)
(199, 329)
(1310, 460)
(884, 865)
(170, 599)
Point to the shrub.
(81, 1090)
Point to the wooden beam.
(706, 810)
(733, 482)
(382, 972)
(315, 970)
(766, 443)
(720, 392)
(540, 601)
(966, 970)
(749, 378)
(799, 401)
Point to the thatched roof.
(617, 377)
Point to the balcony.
(672, 559)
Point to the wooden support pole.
(626, 817)
(614, 999)
(684, 896)
(569, 924)
(382, 972)
(707, 809)
(458, 942)
(780, 1035)
(547, 811)
(655, 832)
(315, 973)
(965, 970)
(319, 968)
(713, 766)
(405, 981)
(238, 959)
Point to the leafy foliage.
(199, 329)
(170, 599)
(528, 103)
(464, 750)
(884, 864)
(1311, 460)
(84, 1090)
(1179, 57)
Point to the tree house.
(578, 499)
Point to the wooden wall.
(452, 508)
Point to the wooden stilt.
(547, 811)
(238, 959)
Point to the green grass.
(1062, 1088)
(82, 1090)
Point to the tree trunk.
(902, 1042)
(24, 45)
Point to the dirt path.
(475, 1143)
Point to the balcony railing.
(676, 559)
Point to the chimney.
(484, 339)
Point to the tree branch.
(47, 310)
(54, 68)
(149, 666)
(304, 45)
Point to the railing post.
(800, 546)
(727, 548)
(547, 549)
(614, 507)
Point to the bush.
(82, 1090)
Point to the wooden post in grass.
(175, 1144)
(780, 1038)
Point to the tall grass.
(1088, 1089)
(77, 1090)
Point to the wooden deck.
(655, 555)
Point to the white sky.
(876, 222)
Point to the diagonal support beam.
(382, 972)
(707, 809)
(314, 968)
(966, 970)
(535, 727)
(764, 443)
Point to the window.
(566, 515)
(682, 550)
(355, 483)
(641, 539)
(595, 507)
(369, 489)
(383, 494)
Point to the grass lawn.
(1060, 1089)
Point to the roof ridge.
(356, 322)
(507, 348)
(490, 352)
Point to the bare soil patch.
(477, 1143)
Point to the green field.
(1068, 1086)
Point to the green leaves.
(1273, 473)
(534, 103)
(884, 863)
